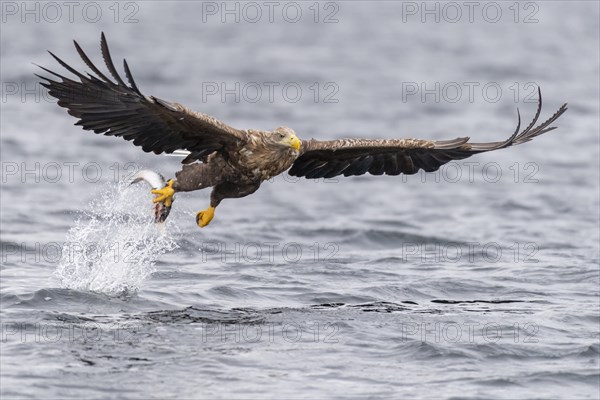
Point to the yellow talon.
(203, 218)
(164, 195)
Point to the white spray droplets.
(114, 245)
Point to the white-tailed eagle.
(235, 162)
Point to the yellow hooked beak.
(295, 142)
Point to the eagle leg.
(224, 190)
(204, 217)
(164, 195)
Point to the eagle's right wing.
(348, 157)
(118, 109)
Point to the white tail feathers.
(178, 153)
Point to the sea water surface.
(480, 281)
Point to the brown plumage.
(326, 159)
(235, 162)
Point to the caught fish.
(156, 181)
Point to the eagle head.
(286, 137)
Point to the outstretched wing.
(118, 109)
(326, 159)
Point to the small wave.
(476, 301)
(198, 315)
(114, 245)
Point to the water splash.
(114, 245)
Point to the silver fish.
(156, 181)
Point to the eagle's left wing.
(115, 108)
(326, 159)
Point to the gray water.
(478, 282)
